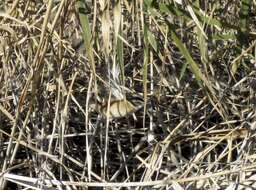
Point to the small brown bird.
(123, 101)
(118, 108)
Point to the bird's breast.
(118, 108)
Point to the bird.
(122, 100)
(118, 108)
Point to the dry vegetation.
(192, 62)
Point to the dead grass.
(193, 64)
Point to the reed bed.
(192, 63)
